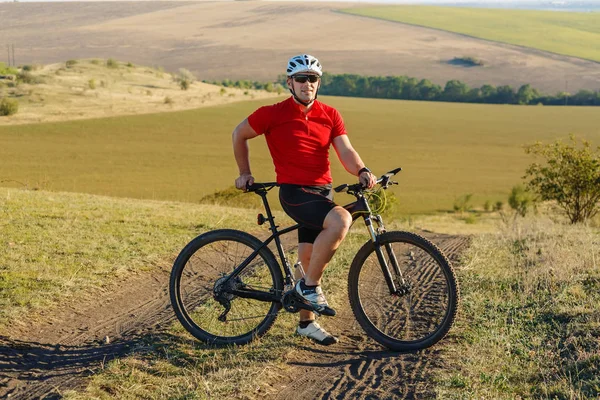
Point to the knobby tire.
(211, 257)
(408, 322)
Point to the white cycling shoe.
(314, 297)
(315, 332)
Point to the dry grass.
(97, 88)
(55, 246)
(530, 325)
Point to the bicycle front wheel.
(425, 305)
(203, 303)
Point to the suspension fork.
(368, 217)
(390, 252)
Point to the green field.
(568, 33)
(445, 149)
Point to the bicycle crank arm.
(292, 302)
(256, 295)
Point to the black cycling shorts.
(308, 206)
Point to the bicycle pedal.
(305, 305)
(328, 311)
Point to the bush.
(184, 79)
(468, 61)
(92, 84)
(168, 100)
(71, 63)
(29, 78)
(521, 200)
(498, 206)
(383, 202)
(487, 206)
(461, 203)
(4, 70)
(570, 176)
(30, 67)
(233, 197)
(8, 107)
(112, 63)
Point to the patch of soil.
(42, 358)
(359, 368)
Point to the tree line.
(407, 88)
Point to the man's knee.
(339, 219)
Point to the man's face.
(305, 85)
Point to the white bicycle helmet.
(304, 63)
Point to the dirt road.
(57, 352)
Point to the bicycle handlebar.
(384, 181)
(258, 186)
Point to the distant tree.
(344, 85)
(505, 95)
(428, 90)
(584, 98)
(474, 96)
(488, 93)
(526, 94)
(570, 176)
(455, 91)
(562, 98)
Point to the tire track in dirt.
(45, 355)
(58, 353)
(359, 368)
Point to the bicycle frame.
(357, 209)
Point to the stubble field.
(253, 40)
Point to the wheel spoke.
(413, 320)
(205, 291)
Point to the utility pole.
(14, 63)
(8, 51)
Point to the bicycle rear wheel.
(421, 316)
(198, 276)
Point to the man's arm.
(241, 134)
(352, 161)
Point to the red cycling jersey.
(299, 143)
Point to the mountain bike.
(227, 286)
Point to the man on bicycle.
(299, 132)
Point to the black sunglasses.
(304, 78)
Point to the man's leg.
(304, 253)
(335, 227)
